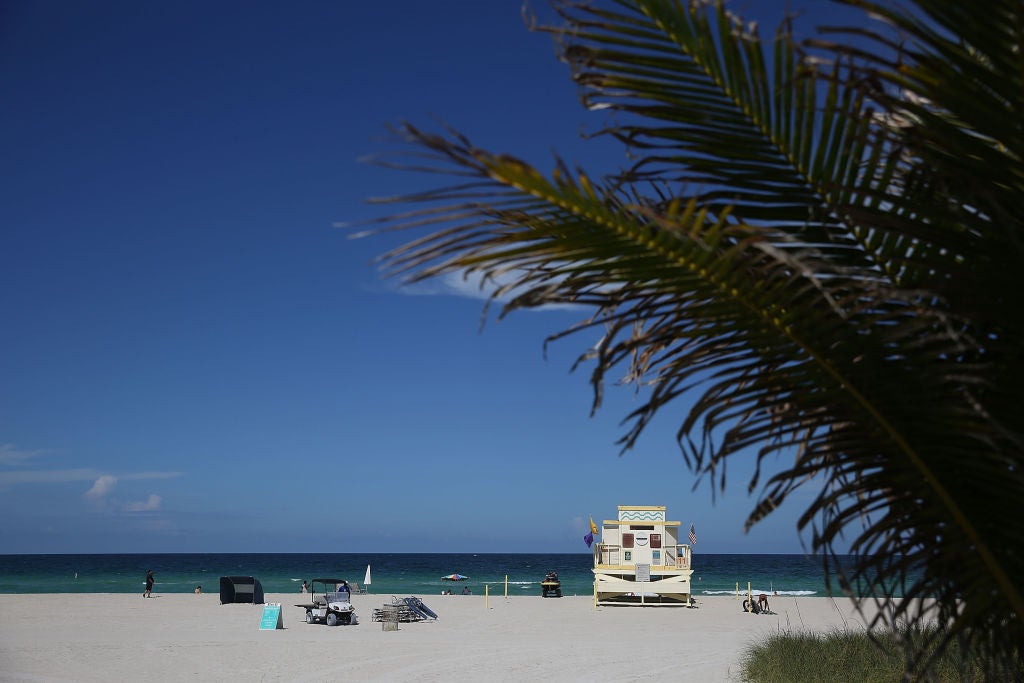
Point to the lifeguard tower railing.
(610, 555)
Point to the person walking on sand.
(149, 584)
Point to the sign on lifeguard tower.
(271, 620)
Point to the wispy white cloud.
(12, 455)
(103, 487)
(47, 476)
(471, 287)
(151, 503)
(101, 484)
(450, 284)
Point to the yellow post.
(486, 591)
(749, 597)
(737, 590)
(506, 586)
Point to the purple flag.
(589, 538)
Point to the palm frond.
(790, 253)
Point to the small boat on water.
(640, 561)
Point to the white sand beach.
(178, 637)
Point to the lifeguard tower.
(639, 560)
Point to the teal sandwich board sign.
(271, 619)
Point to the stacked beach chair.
(409, 610)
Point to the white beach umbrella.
(366, 579)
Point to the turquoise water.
(391, 574)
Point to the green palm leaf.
(831, 291)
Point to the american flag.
(693, 536)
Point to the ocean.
(391, 574)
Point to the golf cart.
(551, 587)
(331, 603)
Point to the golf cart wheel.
(309, 617)
(332, 619)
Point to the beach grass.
(845, 654)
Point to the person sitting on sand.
(305, 588)
(466, 591)
(199, 589)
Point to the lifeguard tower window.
(627, 540)
(655, 540)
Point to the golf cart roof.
(328, 580)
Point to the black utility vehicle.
(551, 587)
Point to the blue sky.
(194, 358)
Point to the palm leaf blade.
(811, 297)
